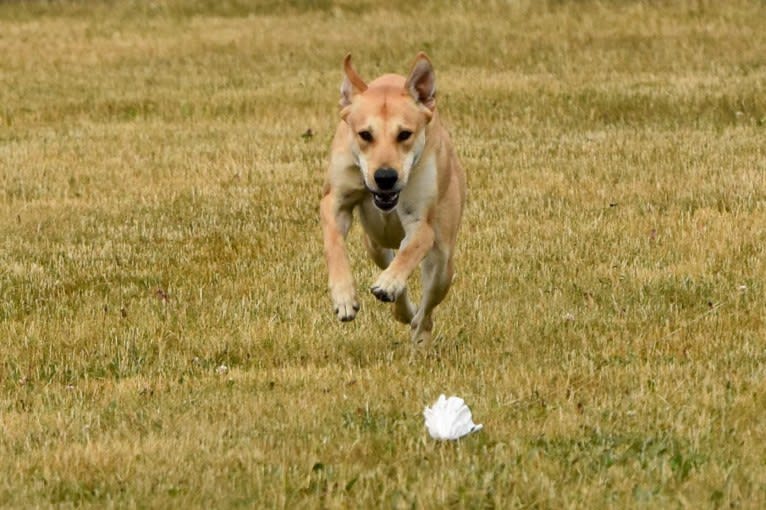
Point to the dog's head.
(388, 119)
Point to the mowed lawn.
(166, 336)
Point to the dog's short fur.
(394, 163)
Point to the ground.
(166, 336)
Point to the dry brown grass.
(158, 219)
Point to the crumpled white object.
(449, 419)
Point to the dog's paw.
(421, 339)
(346, 311)
(345, 305)
(387, 289)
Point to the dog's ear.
(421, 83)
(352, 83)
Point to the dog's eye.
(365, 135)
(403, 135)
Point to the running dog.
(392, 161)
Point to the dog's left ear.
(421, 83)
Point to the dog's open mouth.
(385, 201)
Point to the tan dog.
(393, 162)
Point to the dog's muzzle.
(385, 200)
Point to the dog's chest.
(384, 228)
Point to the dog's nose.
(385, 178)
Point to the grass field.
(166, 336)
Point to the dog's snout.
(385, 178)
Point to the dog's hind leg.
(404, 310)
(437, 271)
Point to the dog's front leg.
(419, 238)
(336, 222)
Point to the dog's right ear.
(352, 83)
